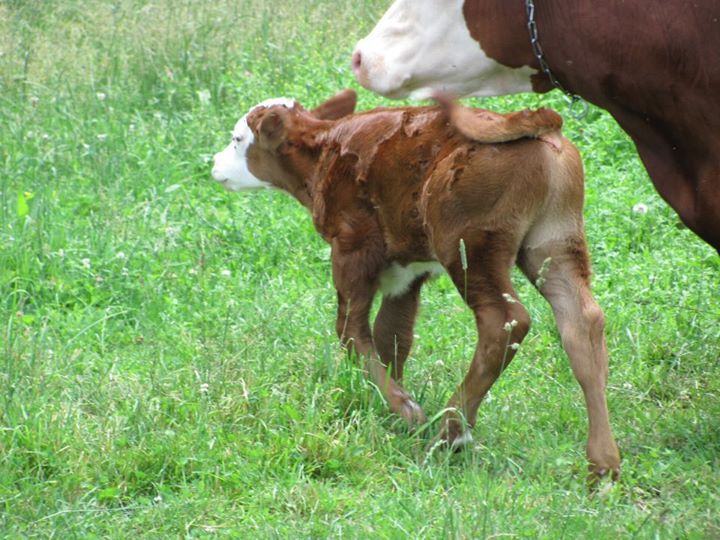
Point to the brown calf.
(403, 193)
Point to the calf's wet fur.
(403, 193)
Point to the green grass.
(168, 363)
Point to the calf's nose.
(216, 173)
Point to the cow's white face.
(230, 166)
(423, 45)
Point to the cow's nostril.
(356, 62)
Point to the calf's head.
(232, 166)
(252, 160)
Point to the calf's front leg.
(393, 328)
(355, 291)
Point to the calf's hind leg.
(565, 284)
(501, 322)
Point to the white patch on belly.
(396, 279)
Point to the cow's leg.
(502, 322)
(561, 272)
(684, 168)
(691, 188)
(393, 329)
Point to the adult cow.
(654, 66)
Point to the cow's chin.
(515, 81)
(412, 90)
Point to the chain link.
(574, 99)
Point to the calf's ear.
(273, 128)
(341, 104)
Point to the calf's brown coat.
(404, 185)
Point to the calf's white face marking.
(230, 166)
(419, 46)
(396, 279)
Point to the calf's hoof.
(410, 411)
(452, 438)
(604, 462)
(598, 472)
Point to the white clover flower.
(86, 263)
(226, 273)
(121, 255)
(204, 96)
(640, 208)
(102, 136)
(101, 96)
(124, 272)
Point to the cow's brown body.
(656, 69)
(654, 66)
(391, 187)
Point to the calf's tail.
(490, 127)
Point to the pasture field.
(168, 360)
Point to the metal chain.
(574, 99)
